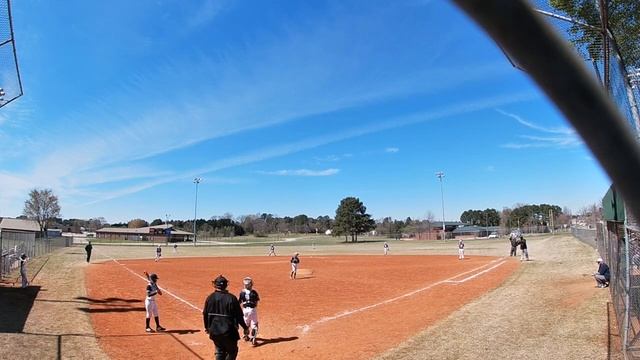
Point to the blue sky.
(283, 107)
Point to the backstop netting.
(10, 81)
(589, 27)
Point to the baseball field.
(349, 302)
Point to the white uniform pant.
(151, 307)
(294, 267)
(386, 250)
(250, 317)
(460, 253)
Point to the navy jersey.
(249, 298)
(152, 289)
(295, 260)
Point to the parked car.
(493, 235)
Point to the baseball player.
(150, 302)
(272, 250)
(460, 249)
(158, 253)
(513, 239)
(23, 270)
(523, 248)
(386, 248)
(249, 300)
(295, 260)
(175, 248)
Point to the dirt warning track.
(347, 307)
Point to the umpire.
(222, 315)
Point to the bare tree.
(41, 206)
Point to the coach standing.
(222, 315)
(88, 249)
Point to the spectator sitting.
(603, 275)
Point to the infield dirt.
(547, 309)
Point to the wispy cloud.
(316, 141)
(333, 157)
(285, 77)
(302, 172)
(531, 125)
(206, 12)
(563, 136)
(391, 150)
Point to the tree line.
(351, 220)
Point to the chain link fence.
(10, 82)
(587, 236)
(14, 244)
(590, 27)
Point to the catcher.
(150, 302)
(249, 300)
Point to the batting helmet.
(220, 282)
(153, 277)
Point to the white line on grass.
(456, 282)
(307, 327)
(145, 279)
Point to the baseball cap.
(220, 282)
(599, 260)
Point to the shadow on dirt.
(107, 300)
(15, 305)
(111, 309)
(262, 341)
(110, 304)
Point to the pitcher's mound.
(304, 273)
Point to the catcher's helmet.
(220, 282)
(153, 277)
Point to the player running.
(295, 260)
(249, 300)
(150, 302)
(272, 250)
(158, 253)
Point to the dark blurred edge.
(561, 74)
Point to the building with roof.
(19, 226)
(433, 230)
(157, 233)
(474, 231)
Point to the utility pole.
(440, 175)
(167, 233)
(195, 211)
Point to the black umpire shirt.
(221, 306)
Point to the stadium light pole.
(195, 211)
(440, 175)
